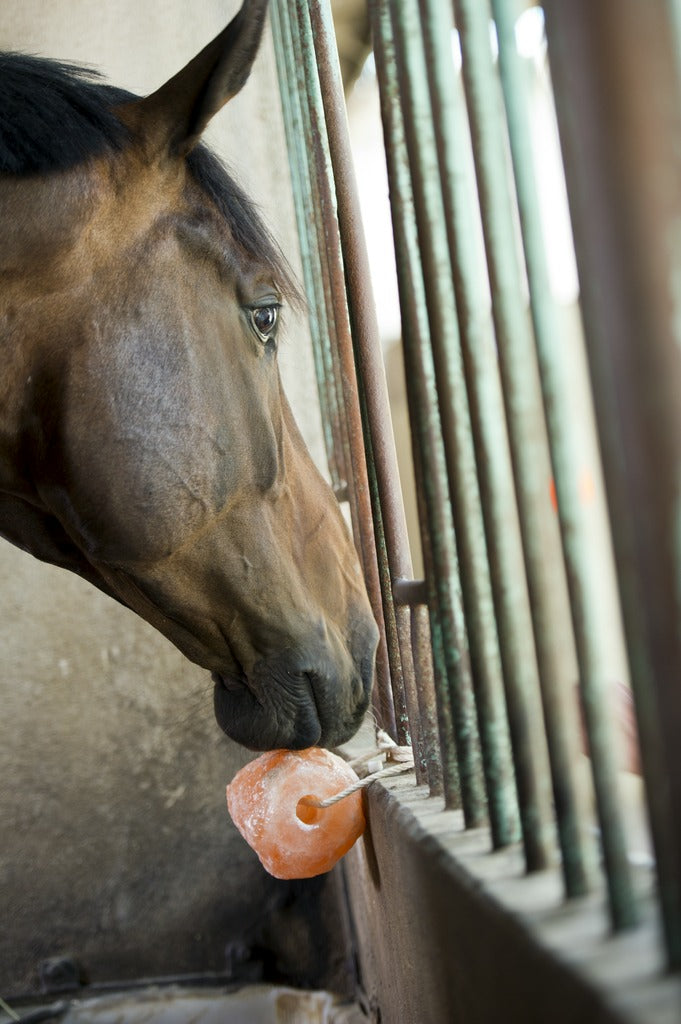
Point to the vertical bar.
(478, 605)
(590, 613)
(423, 657)
(305, 77)
(624, 185)
(315, 265)
(529, 447)
(428, 457)
(388, 504)
(370, 525)
(495, 474)
(455, 696)
(310, 253)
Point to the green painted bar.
(495, 473)
(616, 154)
(320, 296)
(455, 696)
(312, 275)
(588, 607)
(423, 658)
(529, 447)
(478, 605)
(317, 279)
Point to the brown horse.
(145, 441)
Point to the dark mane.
(54, 116)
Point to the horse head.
(146, 442)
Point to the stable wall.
(115, 845)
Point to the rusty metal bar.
(391, 704)
(529, 447)
(305, 80)
(495, 474)
(624, 184)
(590, 612)
(388, 502)
(455, 695)
(318, 281)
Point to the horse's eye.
(264, 320)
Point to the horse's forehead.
(93, 206)
(42, 216)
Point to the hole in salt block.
(306, 810)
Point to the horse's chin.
(259, 726)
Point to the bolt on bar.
(623, 176)
(589, 608)
(455, 703)
(529, 447)
(495, 474)
(478, 606)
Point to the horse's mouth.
(298, 698)
(266, 724)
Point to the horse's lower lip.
(255, 724)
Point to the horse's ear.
(171, 120)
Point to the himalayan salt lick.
(293, 839)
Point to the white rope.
(386, 749)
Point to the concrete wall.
(115, 845)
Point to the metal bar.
(406, 725)
(447, 625)
(529, 448)
(423, 658)
(478, 605)
(590, 611)
(495, 474)
(326, 219)
(471, 797)
(368, 356)
(369, 521)
(323, 309)
(310, 253)
(323, 313)
(622, 170)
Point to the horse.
(146, 443)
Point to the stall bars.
(477, 663)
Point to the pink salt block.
(271, 801)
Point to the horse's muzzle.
(287, 704)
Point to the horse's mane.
(55, 115)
